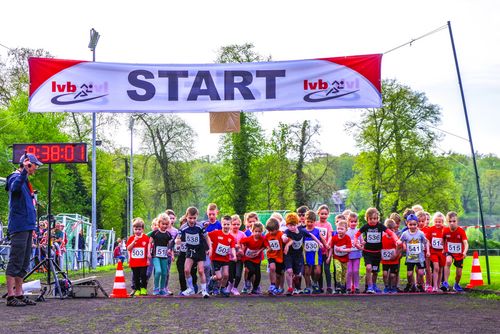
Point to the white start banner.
(58, 85)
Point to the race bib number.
(454, 247)
(296, 244)
(322, 231)
(138, 253)
(222, 250)
(193, 239)
(183, 247)
(373, 237)
(414, 249)
(274, 245)
(161, 251)
(311, 246)
(339, 252)
(387, 254)
(251, 253)
(437, 243)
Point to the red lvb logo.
(75, 93)
(322, 90)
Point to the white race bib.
(222, 250)
(193, 239)
(183, 247)
(274, 245)
(437, 243)
(339, 252)
(251, 253)
(454, 247)
(138, 253)
(296, 244)
(322, 231)
(311, 246)
(373, 237)
(414, 249)
(387, 254)
(161, 251)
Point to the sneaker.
(15, 302)
(356, 291)
(235, 292)
(329, 291)
(296, 292)
(370, 290)
(215, 292)
(279, 291)
(205, 294)
(225, 292)
(413, 288)
(28, 301)
(144, 292)
(289, 292)
(255, 291)
(316, 289)
(393, 290)
(163, 292)
(429, 289)
(435, 290)
(407, 287)
(134, 292)
(445, 286)
(376, 289)
(156, 292)
(307, 291)
(168, 292)
(387, 290)
(457, 288)
(245, 291)
(272, 287)
(188, 292)
(258, 290)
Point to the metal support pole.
(473, 154)
(94, 189)
(131, 175)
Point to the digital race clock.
(53, 153)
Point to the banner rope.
(418, 38)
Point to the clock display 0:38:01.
(59, 153)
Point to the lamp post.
(94, 38)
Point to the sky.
(191, 32)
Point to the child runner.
(279, 218)
(435, 237)
(423, 225)
(161, 245)
(341, 245)
(180, 250)
(354, 255)
(236, 265)
(274, 255)
(223, 244)
(314, 256)
(197, 243)
(372, 246)
(252, 248)
(210, 225)
(323, 213)
(301, 212)
(138, 249)
(390, 258)
(154, 227)
(417, 249)
(250, 219)
(173, 232)
(293, 238)
(397, 219)
(456, 247)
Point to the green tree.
(399, 166)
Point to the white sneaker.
(188, 292)
(169, 293)
(205, 294)
(235, 292)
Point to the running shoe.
(215, 292)
(144, 292)
(245, 291)
(15, 302)
(289, 292)
(188, 292)
(407, 288)
(162, 292)
(225, 292)
(272, 287)
(258, 290)
(169, 293)
(329, 291)
(457, 288)
(307, 291)
(255, 291)
(387, 290)
(297, 292)
(376, 289)
(445, 286)
(133, 293)
(279, 291)
(413, 288)
(356, 291)
(316, 290)
(420, 288)
(235, 291)
(429, 289)
(205, 294)
(156, 292)
(370, 290)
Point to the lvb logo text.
(73, 93)
(323, 90)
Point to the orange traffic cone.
(119, 288)
(476, 277)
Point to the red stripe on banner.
(368, 66)
(41, 69)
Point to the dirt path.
(320, 314)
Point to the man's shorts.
(20, 253)
(294, 262)
(410, 266)
(373, 259)
(217, 265)
(439, 258)
(456, 263)
(280, 267)
(393, 268)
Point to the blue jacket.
(22, 213)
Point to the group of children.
(219, 255)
